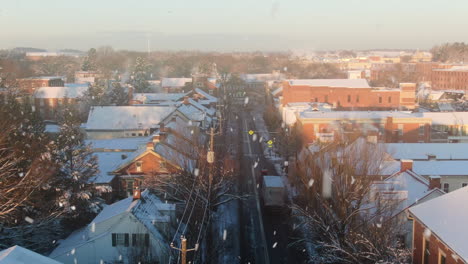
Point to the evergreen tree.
(76, 166)
(139, 77)
(89, 63)
(118, 95)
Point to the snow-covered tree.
(76, 165)
(117, 95)
(89, 63)
(140, 75)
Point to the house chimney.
(431, 157)
(434, 182)
(406, 165)
(149, 146)
(156, 138)
(186, 100)
(136, 193)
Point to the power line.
(185, 210)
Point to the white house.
(106, 122)
(21, 255)
(131, 230)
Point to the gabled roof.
(146, 209)
(206, 95)
(21, 255)
(126, 117)
(446, 217)
(277, 91)
(342, 83)
(107, 163)
(117, 144)
(158, 97)
(420, 151)
(60, 92)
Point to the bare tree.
(344, 221)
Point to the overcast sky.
(227, 25)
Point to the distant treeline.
(450, 52)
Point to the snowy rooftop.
(175, 82)
(157, 97)
(345, 83)
(20, 255)
(117, 144)
(261, 77)
(108, 162)
(420, 151)
(75, 85)
(126, 117)
(448, 118)
(357, 114)
(431, 167)
(277, 91)
(207, 96)
(43, 78)
(146, 212)
(273, 181)
(446, 217)
(60, 92)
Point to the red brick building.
(348, 94)
(29, 85)
(47, 100)
(454, 78)
(439, 229)
(389, 127)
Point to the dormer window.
(139, 166)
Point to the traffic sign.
(270, 142)
(251, 132)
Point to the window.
(139, 165)
(426, 252)
(380, 99)
(140, 134)
(130, 188)
(421, 129)
(357, 98)
(446, 187)
(349, 98)
(389, 99)
(120, 239)
(133, 134)
(316, 99)
(326, 98)
(162, 164)
(464, 184)
(140, 240)
(442, 257)
(51, 102)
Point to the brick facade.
(29, 85)
(351, 98)
(436, 247)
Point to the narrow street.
(264, 236)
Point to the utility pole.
(183, 250)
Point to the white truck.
(273, 193)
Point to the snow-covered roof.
(357, 114)
(210, 111)
(126, 117)
(43, 78)
(446, 217)
(192, 113)
(60, 92)
(261, 77)
(431, 167)
(107, 163)
(420, 151)
(175, 82)
(117, 144)
(344, 83)
(273, 181)
(147, 209)
(75, 85)
(21, 255)
(277, 91)
(447, 118)
(207, 96)
(157, 97)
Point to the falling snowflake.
(21, 174)
(196, 171)
(72, 251)
(260, 140)
(29, 219)
(255, 164)
(254, 137)
(93, 227)
(352, 180)
(427, 233)
(311, 182)
(275, 244)
(246, 100)
(224, 234)
(191, 131)
(274, 233)
(73, 207)
(258, 185)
